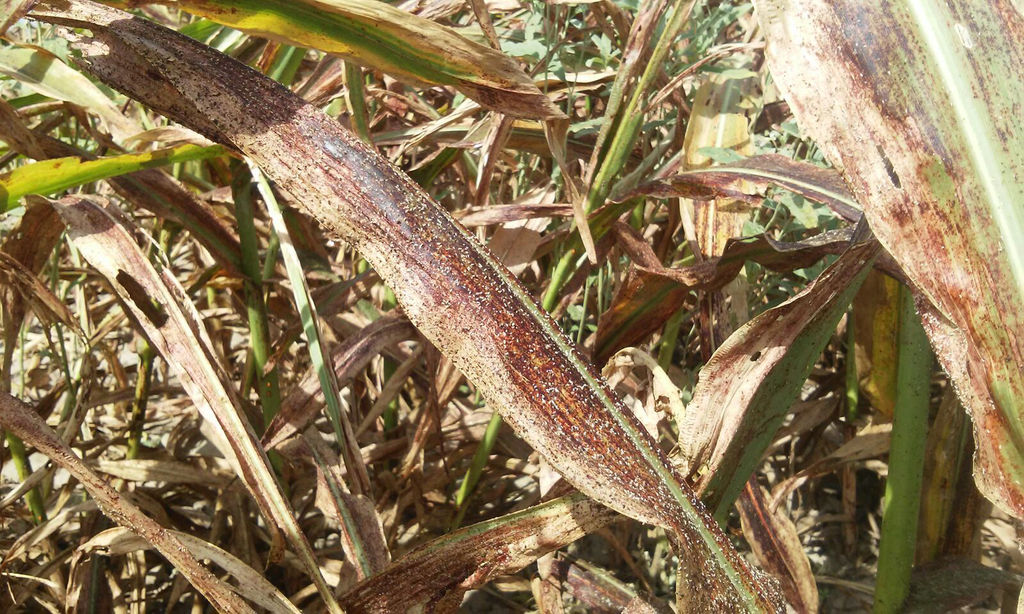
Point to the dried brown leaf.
(22, 420)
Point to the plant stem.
(476, 467)
(906, 462)
(138, 413)
(24, 469)
(267, 386)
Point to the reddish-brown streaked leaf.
(745, 391)
(920, 104)
(641, 305)
(714, 273)
(440, 572)
(162, 310)
(22, 420)
(773, 538)
(651, 292)
(824, 185)
(453, 289)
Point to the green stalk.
(138, 412)
(321, 362)
(356, 101)
(669, 338)
(476, 467)
(267, 386)
(906, 462)
(632, 117)
(24, 469)
(286, 64)
(144, 377)
(626, 125)
(560, 275)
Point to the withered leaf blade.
(823, 185)
(774, 539)
(440, 572)
(22, 420)
(454, 290)
(305, 401)
(652, 292)
(171, 323)
(919, 103)
(727, 427)
(598, 590)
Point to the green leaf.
(58, 174)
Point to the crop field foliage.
(511, 306)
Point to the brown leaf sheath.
(452, 288)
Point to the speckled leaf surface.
(920, 104)
(440, 572)
(380, 36)
(453, 289)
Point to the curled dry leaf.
(453, 289)
(662, 398)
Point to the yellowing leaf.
(50, 176)
(383, 37)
